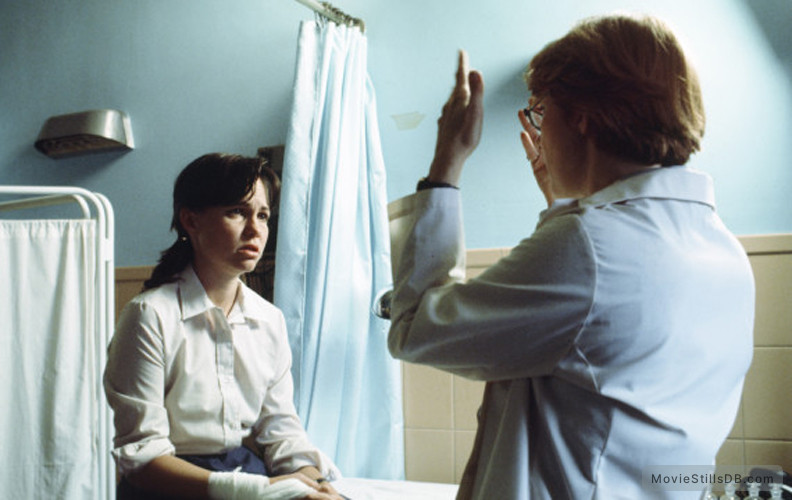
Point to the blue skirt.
(223, 462)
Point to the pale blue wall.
(202, 75)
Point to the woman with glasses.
(614, 340)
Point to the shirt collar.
(195, 301)
(674, 183)
(251, 304)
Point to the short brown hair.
(630, 77)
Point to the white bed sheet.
(380, 489)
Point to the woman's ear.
(581, 123)
(188, 220)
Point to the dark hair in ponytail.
(215, 179)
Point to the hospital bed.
(379, 489)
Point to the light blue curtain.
(333, 258)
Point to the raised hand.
(459, 127)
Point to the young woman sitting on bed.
(199, 362)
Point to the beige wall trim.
(136, 273)
(754, 244)
(766, 243)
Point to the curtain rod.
(326, 10)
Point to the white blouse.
(613, 340)
(182, 378)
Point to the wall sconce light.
(85, 132)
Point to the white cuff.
(133, 456)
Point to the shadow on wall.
(58, 172)
(775, 17)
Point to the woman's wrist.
(243, 486)
(223, 485)
(312, 472)
(445, 172)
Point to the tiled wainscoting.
(762, 433)
(440, 409)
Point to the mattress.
(380, 489)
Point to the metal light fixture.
(85, 132)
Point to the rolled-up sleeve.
(516, 320)
(134, 385)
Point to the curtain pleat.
(333, 258)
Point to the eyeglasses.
(535, 115)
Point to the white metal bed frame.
(93, 206)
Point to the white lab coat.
(614, 339)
